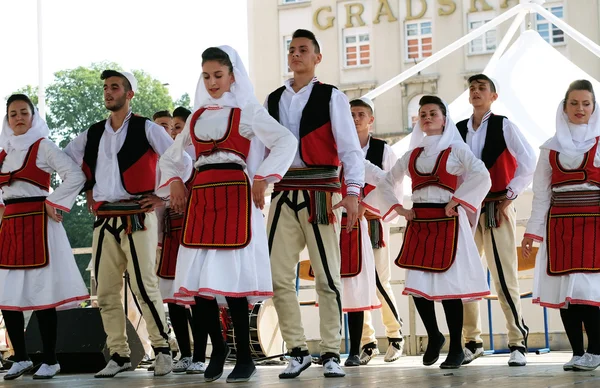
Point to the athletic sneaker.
(182, 365)
(196, 368)
(296, 365)
(112, 368)
(17, 369)
(332, 368)
(570, 364)
(369, 351)
(472, 350)
(47, 371)
(517, 358)
(587, 362)
(394, 351)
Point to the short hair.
(433, 100)
(300, 33)
(20, 97)
(113, 73)
(161, 113)
(181, 113)
(480, 78)
(362, 104)
(218, 55)
(580, 84)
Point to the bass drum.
(265, 337)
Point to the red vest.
(231, 141)
(29, 171)
(439, 176)
(317, 144)
(585, 173)
(495, 154)
(137, 159)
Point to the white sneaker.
(196, 368)
(569, 365)
(296, 365)
(394, 351)
(18, 369)
(471, 355)
(163, 364)
(368, 353)
(112, 368)
(517, 359)
(182, 365)
(332, 368)
(587, 362)
(47, 371)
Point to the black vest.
(375, 151)
(494, 145)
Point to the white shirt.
(291, 106)
(516, 144)
(108, 185)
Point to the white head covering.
(573, 139)
(241, 92)
(38, 129)
(367, 101)
(435, 144)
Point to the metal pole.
(41, 92)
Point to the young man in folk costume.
(119, 157)
(306, 204)
(380, 154)
(165, 120)
(511, 163)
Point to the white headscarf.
(573, 139)
(241, 92)
(38, 129)
(435, 144)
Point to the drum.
(265, 337)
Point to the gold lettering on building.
(384, 9)
(484, 6)
(358, 14)
(329, 19)
(409, 10)
(446, 11)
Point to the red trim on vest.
(585, 173)
(502, 172)
(231, 141)
(29, 171)
(439, 176)
(318, 147)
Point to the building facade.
(367, 42)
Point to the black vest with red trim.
(585, 173)
(29, 171)
(496, 156)
(439, 176)
(317, 144)
(137, 159)
(375, 156)
(231, 141)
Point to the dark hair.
(308, 35)
(113, 73)
(182, 113)
(580, 84)
(20, 97)
(361, 103)
(218, 55)
(161, 113)
(481, 78)
(433, 100)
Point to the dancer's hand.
(526, 246)
(91, 204)
(361, 211)
(151, 202)
(259, 186)
(178, 196)
(52, 213)
(501, 211)
(451, 209)
(350, 203)
(409, 214)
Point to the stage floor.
(486, 372)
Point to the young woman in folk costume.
(438, 253)
(566, 195)
(224, 256)
(37, 268)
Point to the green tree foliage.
(184, 101)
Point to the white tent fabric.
(533, 77)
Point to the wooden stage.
(486, 372)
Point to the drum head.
(269, 336)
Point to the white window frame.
(285, 46)
(421, 25)
(540, 21)
(286, 2)
(358, 34)
(474, 21)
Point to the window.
(548, 31)
(418, 40)
(357, 48)
(293, 1)
(287, 40)
(485, 43)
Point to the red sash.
(170, 245)
(430, 240)
(24, 234)
(219, 208)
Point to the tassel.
(376, 234)
(167, 222)
(490, 215)
(321, 211)
(128, 225)
(313, 208)
(134, 222)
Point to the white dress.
(244, 272)
(557, 291)
(465, 279)
(58, 284)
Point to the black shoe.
(453, 360)
(241, 373)
(214, 370)
(352, 361)
(434, 347)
